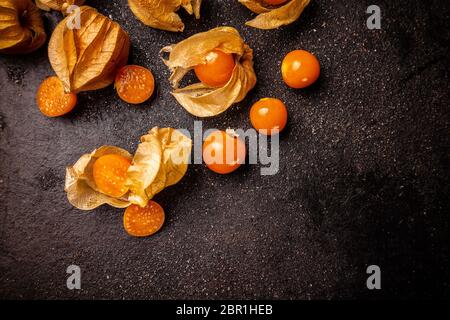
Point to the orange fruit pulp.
(143, 222)
(110, 174)
(134, 84)
(52, 100)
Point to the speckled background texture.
(364, 170)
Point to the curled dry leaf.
(87, 58)
(161, 160)
(271, 17)
(21, 27)
(200, 99)
(161, 14)
(59, 5)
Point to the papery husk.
(88, 58)
(59, 5)
(161, 160)
(200, 99)
(161, 14)
(80, 187)
(175, 150)
(21, 27)
(270, 17)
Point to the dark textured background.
(364, 172)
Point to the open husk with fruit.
(161, 160)
(21, 27)
(162, 14)
(201, 99)
(87, 58)
(274, 13)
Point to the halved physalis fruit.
(143, 222)
(110, 174)
(223, 152)
(217, 68)
(268, 116)
(52, 100)
(134, 84)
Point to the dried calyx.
(21, 27)
(274, 16)
(59, 5)
(162, 14)
(200, 99)
(86, 58)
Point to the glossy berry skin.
(110, 174)
(217, 69)
(268, 116)
(223, 153)
(300, 69)
(134, 84)
(143, 222)
(52, 100)
(275, 2)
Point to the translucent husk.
(161, 160)
(161, 14)
(200, 99)
(59, 5)
(21, 27)
(270, 17)
(88, 58)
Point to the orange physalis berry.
(134, 84)
(143, 222)
(110, 174)
(223, 153)
(217, 70)
(300, 69)
(268, 116)
(52, 100)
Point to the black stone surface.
(364, 170)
